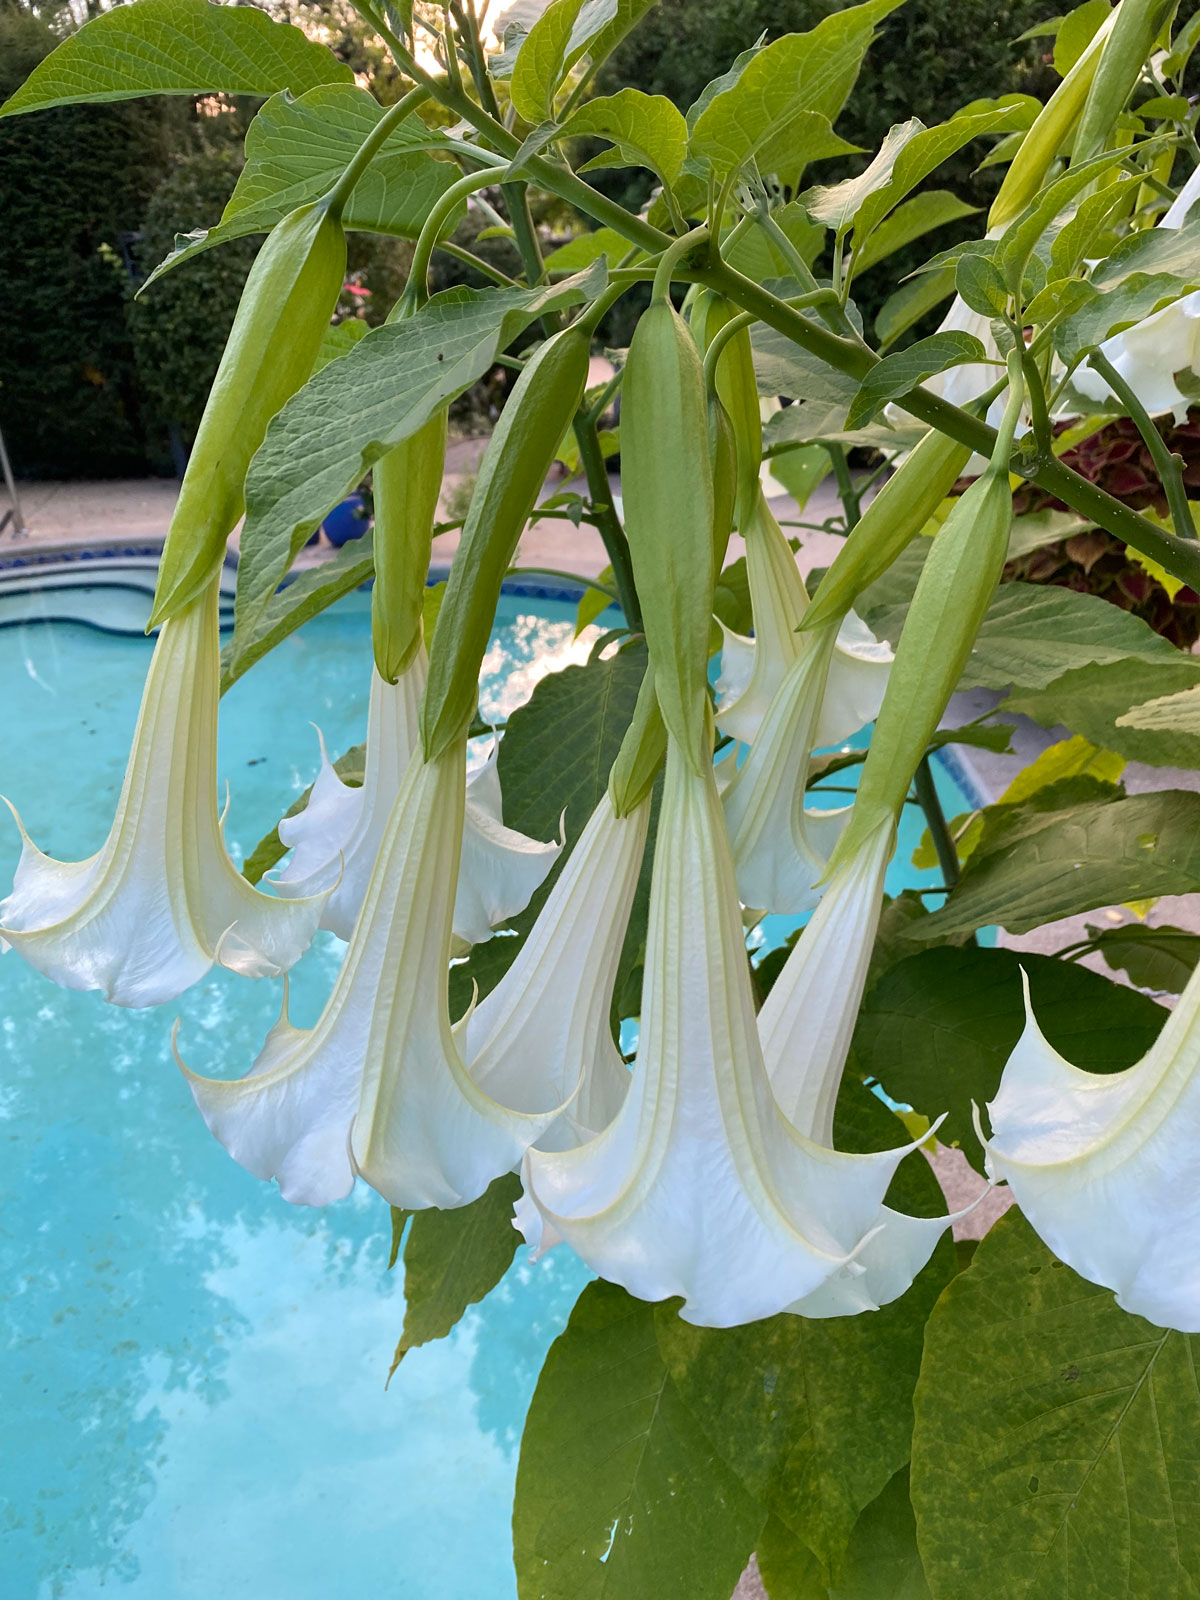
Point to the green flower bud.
(407, 482)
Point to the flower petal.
(381, 1070)
(1104, 1166)
(700, 1187)
(544, 1033)
(150, 913)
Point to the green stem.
(672, 256)
(568, 577)
(417, 289)
(935, 819)
(337, 197)
(476, 263)
(1169, 467)
(847, 493)
(608, 524)
(719, 340)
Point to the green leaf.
(587, 247)
(1171, 250)
(1076, 32)
(308, 594)
(323, 442)
(896, 374)
(924, 151)
(1073, 242)
(592, 603)
(619, 1494)
(726, 81)
(338, 340)
(646, 128)
(452, 1259)
(270, 850)
(1021, 237)
(1173, 712)
(933, 208)
(1093, 701)
(783, 367)
(910, 302)
(839, 205)
(1101, 314)
(554, 759)
(801, 76)
(1058, 863)
(980, 285)
(758, 257)
(542, 61)
(883, 1562)
(814, 1415)
(296, 149)
(600, 27)
(938, 1027)
(1161, 958)
(802, 470)
(177, 47)
(1055, 1452)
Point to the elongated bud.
(1050, 131)
(896, 515)
(737, 389)
(641, 753)
(722, 455)
(955, 589)
(1133, 35)
(407, 482)
(283, 313)
(514, 467)
(668, 492)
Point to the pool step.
(107, 589)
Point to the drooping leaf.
(321, 445)
(553, 765)
(309, 593)
(1162, 958)
(1055, 1455)
(452, 1259)
(838, 205)
(1058, 863)
(938, 1027)
(620, 1495)
(896, 374)
(647, 129)
(177, 47)
(1094, 701)
(542, 61)
(801, 76)
(814, 1415)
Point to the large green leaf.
(1094, 701)
(815, 1416)
(542, 61)
(296, 149)
(1091, 315)
(882, 1562)
(323, 442)
(910, 302)
(619, 1494)
(1057, 1446)
(774, 108)
(647, 129)
(553, 764)
(600, 27)
(452, 1259)
(932, 208)
(177, 47)
(1162, 958)
(1058, 863)
(938, 1027)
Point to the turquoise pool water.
(192, 1371)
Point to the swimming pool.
(193, 1371)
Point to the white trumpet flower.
(805, 1025)
(700, 1186)
(336, 838)
(548, 1019)
(1150, 353)
(150, 913)
(752, 670)
(378, 1087)
(1104, 1166)
(781, 849)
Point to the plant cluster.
(781, 1352)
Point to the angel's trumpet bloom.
(151, 912)
(379, 1086)
(780, 849)
(1150, 353)
(1104, 1166)
(752, 670)
(700, 1186)
(548, 1019)
(806, 1024)
(336, 838)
